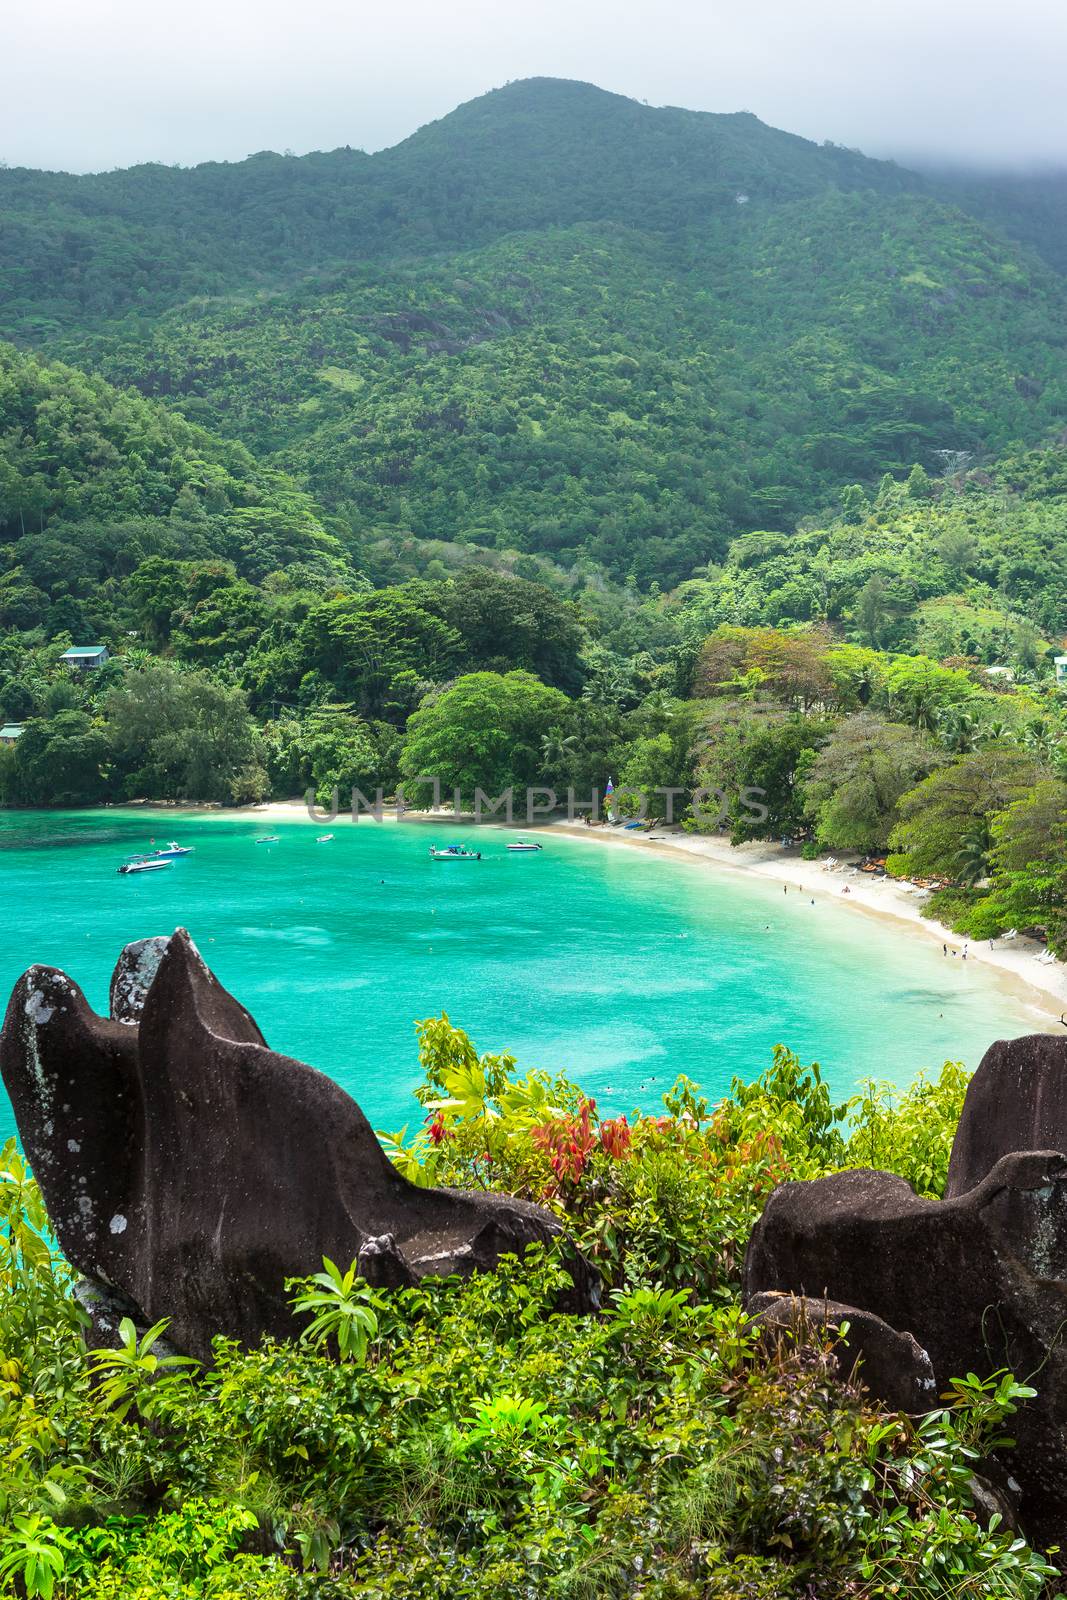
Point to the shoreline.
(1042, 987)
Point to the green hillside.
(94, 481)
(1028, 206)
(600, 393)
(971, 566)
(555, 321)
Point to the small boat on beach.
(454, 852)
(144, 865)
(524, 845)
(171, 851)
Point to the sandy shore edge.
(1041, 986)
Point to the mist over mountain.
(1030, 206)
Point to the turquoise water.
(623, 969)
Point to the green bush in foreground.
(466, 1439)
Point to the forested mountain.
(596, 392)
(556, 321)
(1029, 206)
(540, 153)
(94, 481)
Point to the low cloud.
(94, 84)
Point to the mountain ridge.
(84, 245)
(509, 94)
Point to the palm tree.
(558, 748)
(973, 856)
(659, 705)
(924, 712)
(609, 686)
(1040, 737)
(958, 730)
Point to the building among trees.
(86, 656)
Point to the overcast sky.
(93, 84)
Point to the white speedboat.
(143, 866)
(324, 838)
(270, 838)
(524, 845)
(171, 851)
(454, 852)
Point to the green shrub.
(910, 1134)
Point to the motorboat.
(524, 846)
(269, 838)
(144, 865)
(324, 838)
(454, 852)
(171, 851)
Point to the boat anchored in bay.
(144, 864)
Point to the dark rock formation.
(190, 1168)
(979, 1280)
(891, 1364)
(1017, 1100)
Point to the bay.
(619, 968)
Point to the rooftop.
(84, 652)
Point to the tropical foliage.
(472, 1438)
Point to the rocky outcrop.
(891, 1364)
(1017, 1100)
(978, 1281)
(190, 1168)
